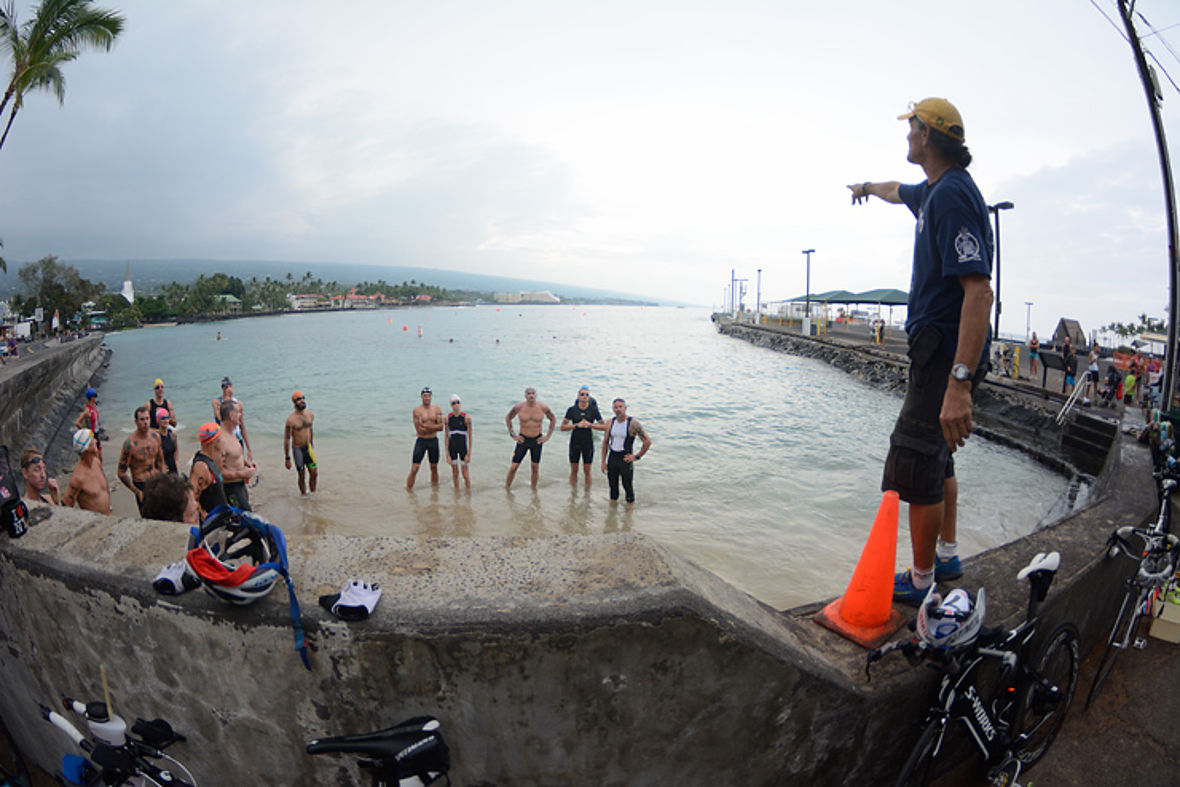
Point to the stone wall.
(42, 392)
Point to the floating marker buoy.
(405, 327)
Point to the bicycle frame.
(959, 698)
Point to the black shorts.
(457, 448)
(1092, 375)
(581, 451)
(919, 460)
(529, 446)
(424, 446)
(236, 494)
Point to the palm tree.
(57, 34)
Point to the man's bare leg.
(512, 468)
(455, 473)
(925, 523)
(434, 473)
(574, 473)
(950, 513)
(413, 475)
(586, 470)
(302, 483)
(536, 474)
(312, 475)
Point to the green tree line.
(55, 286)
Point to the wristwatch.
(961, 372)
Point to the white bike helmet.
(235, 560)
(948, 623)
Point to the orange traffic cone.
(865, 613)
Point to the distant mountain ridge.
(151, 275)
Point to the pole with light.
(807, 297)
(999, 206)
(758, 301)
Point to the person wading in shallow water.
(618, 450)
(529, 441)
(428, 422)
(298, 439)
(581, 418)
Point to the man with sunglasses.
(947, 324)
(39, 487)
(580, 420)
(297, 435)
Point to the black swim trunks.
(424, 446)
(236, 494)
(457, 447)
(919, 460)
(531, 446)
(581, 451)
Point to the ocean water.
(765, 468)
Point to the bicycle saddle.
(1042, 562)
(408, 739)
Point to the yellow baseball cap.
(940, 115)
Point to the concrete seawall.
(597, 660)
(42, 390)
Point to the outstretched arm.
(886, 191)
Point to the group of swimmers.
(581, 419)
(223, 467)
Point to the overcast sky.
(639, 146)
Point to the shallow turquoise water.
(765, 468)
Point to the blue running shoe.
(945, 570)
(904, 590)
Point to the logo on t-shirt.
(967, 246)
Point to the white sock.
(945, 550)
(920, 578)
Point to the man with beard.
(297, 434)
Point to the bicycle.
(1157, 569)
(1013, 726)
(410, 753)
(114, 757)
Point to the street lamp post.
(1027, 319)
(758, 301)
(999, 206)
(807, 297)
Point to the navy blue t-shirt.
(953, 238)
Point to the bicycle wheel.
(1042, 714)
(1121, 636)
(919, 767)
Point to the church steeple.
(128, 291)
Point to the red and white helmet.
(235, 561)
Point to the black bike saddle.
(411, 737)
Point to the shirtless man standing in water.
(142, 456)
(88, 484)
(428, 422)
(297, 434)
(529, 441)
(236, 471)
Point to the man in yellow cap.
(947, 324)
